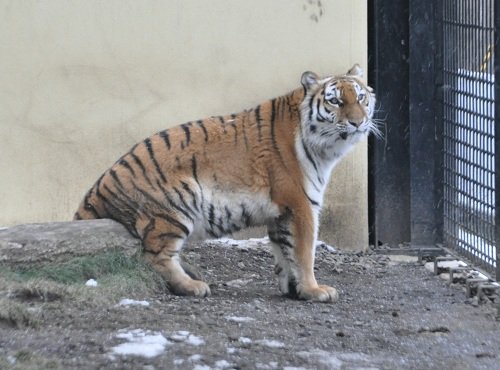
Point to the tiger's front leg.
(293, 236)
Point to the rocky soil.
(391, 315)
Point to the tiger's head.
(337, 108)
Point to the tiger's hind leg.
(293, 239)
(163, 237)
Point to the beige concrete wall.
(81, 81)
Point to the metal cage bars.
(469, 120)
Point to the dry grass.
(26, 360)
(117, 276)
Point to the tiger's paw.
(320, 293)
(196, 288)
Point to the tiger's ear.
(356, 70)
(309, 79)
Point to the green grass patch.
(117, 275)
(81, 269)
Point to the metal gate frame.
(406, 168)
(496, 48)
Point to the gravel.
(391, 314)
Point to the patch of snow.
(270, 366)
(243, 244)
(244, 340)
(270, 343)
(202, 367)
(194, 340)
(323, 357)
(91, 282)
(195, 358)
(445, 264)
(178, 361)
(140, 343)
(231, 350)
(327, 247)
(293, 368)
(11, 359)
(238, 283)
(187, 337)
(132, 302)
(354, 356)
(239, 319)
(3, 228)
(223, 364)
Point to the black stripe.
(273, 118)
(233, 125)
(258, 119)
(89, 207)
(161, 206)
(128, 204)
(185, 127)
(164, 135)
(290, 106)
(186, 187)
(194, 168)
(164, 216)
(319, 116)
(211, 215)
(149, 146)
(149, 227)
(116, 178)
(202, 126)
(220, 225)
(181, 198)
(172, 203)
(228, 214)
(174, 222)
(245, 216)
(141, 166)
(245, 138)
(121, 210)
(280, 240)
(223, 123)
(123, 162)
(312, 201)
(309, 156)
(311, 108)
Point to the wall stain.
(314, 9)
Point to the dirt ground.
(391, 315)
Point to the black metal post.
(497, 134)
(389, 168)
(425, 129)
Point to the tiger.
(266, 166)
